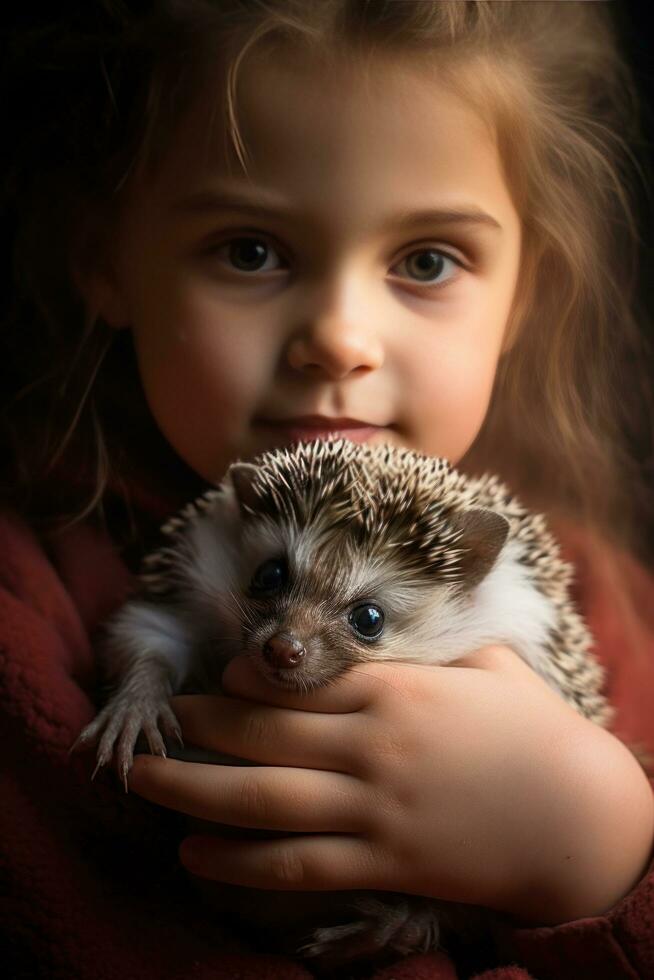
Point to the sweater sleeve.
(618, 945)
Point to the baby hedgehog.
(318, 557)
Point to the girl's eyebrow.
(463, 214)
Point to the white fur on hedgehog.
(382, 477)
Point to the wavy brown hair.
(100, 96)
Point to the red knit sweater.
(91, 885)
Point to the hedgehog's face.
(313, 606)
(325, 572)
(303, 626)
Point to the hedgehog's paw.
(117, 726)
(335, 946)
(418, 932)
(403, 926)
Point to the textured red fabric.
(91, 886)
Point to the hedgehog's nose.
(283, 651)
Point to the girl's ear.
(95, 277)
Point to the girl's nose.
(333, 346)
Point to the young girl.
(238, 224)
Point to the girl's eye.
(426, 266)
(269, 577)
(367, 621)
(248, 254)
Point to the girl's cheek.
(447, 393)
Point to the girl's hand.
(473, 782)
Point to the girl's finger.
(495, 657)
(266, 798)
(265, 734)
(308, 863)
(352, 691)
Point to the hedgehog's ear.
(238, 482)
(483, 533)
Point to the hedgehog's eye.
(269, 577)
(367, 621)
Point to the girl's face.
(365, 269)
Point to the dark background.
(635, 22)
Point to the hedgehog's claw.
(117, 726)
(89, 734)
(80, 742)
(169, 723)
(101, 763)
(154, 740)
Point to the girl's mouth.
(306, 428)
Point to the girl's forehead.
(340, 146)
(322, 110)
